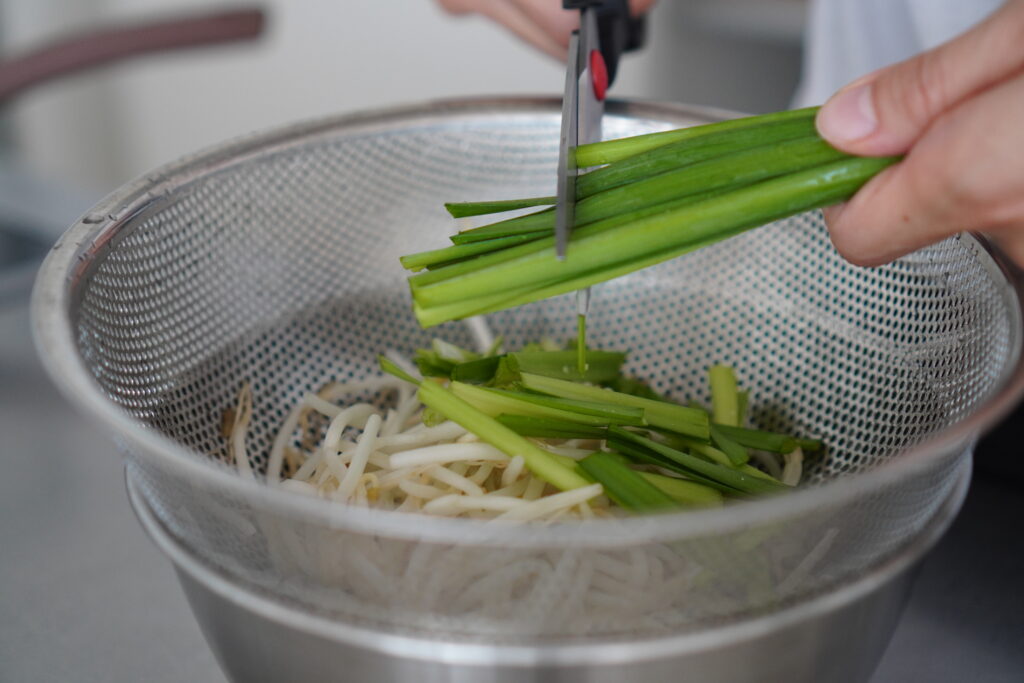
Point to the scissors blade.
(565, 204)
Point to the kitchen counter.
(86, 597)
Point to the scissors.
(606, 31)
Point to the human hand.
(542, 23)
(957, 113)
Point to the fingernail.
(849, 115)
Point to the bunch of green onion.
(650, 198)
(654, 454)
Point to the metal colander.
(274, 260)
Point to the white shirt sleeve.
(846, 39)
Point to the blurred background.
(96, 130)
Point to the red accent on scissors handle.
(598, 75)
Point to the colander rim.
(54, 295)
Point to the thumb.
(885, 112)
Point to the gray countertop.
(86, 597)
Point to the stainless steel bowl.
(274, 260)
(837, 637)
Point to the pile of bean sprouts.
(389, 458)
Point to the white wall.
(322, 57)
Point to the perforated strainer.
(274, 260)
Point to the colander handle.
(103, 46)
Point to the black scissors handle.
(617, 30)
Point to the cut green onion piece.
(464, 209)
(495, 402)
(548, 428)
(684, 492)
(431, 365)
(736, 453)
(542, 222)
(609, 151)
(706, 450)
(725, 475)
(634, 387)
(391, 368)
(601, 366)
(657, 413)
(538, 461)
(743, 399)
(478, 371)
(646, 456)
(623, 485)
(725, 405)
(759, 439)
(754, 472)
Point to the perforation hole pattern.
(281, 269)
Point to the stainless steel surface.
(306, 647)
(157, 341)
(88, 598)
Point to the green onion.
(623, 485)
(759, 439)
(601, 366)
(743, 399)
(705, 450)
(725, 475)
(725, 405)
(595, 258)
(495, 402)
(464, 209)
(489, 430)
(635, 387)
(539, 461)
(657, 413)
(646, 456)
(675, 155)
(609, 151)
(683, 491)
(479, 371)
(550, 428)
(736, 453)
(457, 253)
(391, 368)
